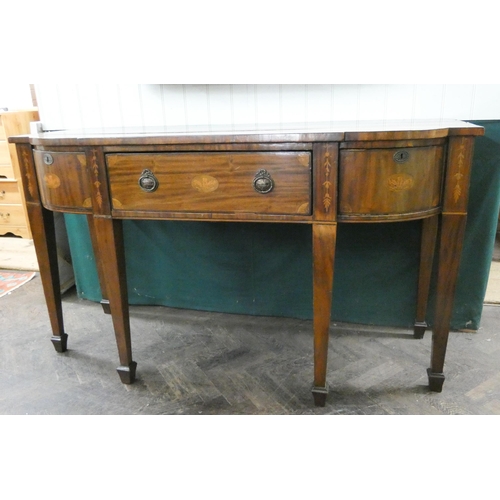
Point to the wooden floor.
(211, 363)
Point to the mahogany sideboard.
(319, 174)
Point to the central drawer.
(253, 182)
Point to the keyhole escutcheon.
(401, 156)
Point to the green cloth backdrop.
(265, 269)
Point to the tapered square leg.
(436, 380)
(452, 234)
(319, 395)
(419, 329)
(324, 240)
(127, 373)
(105, 306)
(60, 342)
(427, 252)
(99, 264)
(44, 239)
(110, 249)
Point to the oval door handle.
(262, 182)
(148, 182)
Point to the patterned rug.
(10, 280)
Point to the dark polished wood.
(387, 186)
(428, 244)
(110, 246)
(99, 264)
(322, 174)
(63, 181)
(453, 221)
(324, 242)
(450, 246)
(211, 182)
(44, 237)
(43, 230)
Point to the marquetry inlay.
(319, 177)
(327, 184)
(205, 183)
(400, 182)
(26, 161)
(304, 160)
(97, 184)
(457, 191)
(52, 181)
(303, 209)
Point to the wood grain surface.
(212, 182)
(373, 183)
(64, 184)
(355, 185)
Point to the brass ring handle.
(5, 217)
(262, 182)
(2, 194)
(148, 182)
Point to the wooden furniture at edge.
(323, 175)
(13, 214)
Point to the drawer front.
(9, 193)
(21, 231)
(4, 153)
(6, 172)
(62, 178)
(258, 183)
(12, 215)
(2, 131)
(378, 182)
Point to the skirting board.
(493, 290)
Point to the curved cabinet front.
(62, 179)
(390, 183)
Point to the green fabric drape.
(265, 269)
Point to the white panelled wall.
(68, 106)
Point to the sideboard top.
(257, 133)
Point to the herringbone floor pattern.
(193, 362)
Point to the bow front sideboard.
(319, 174)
